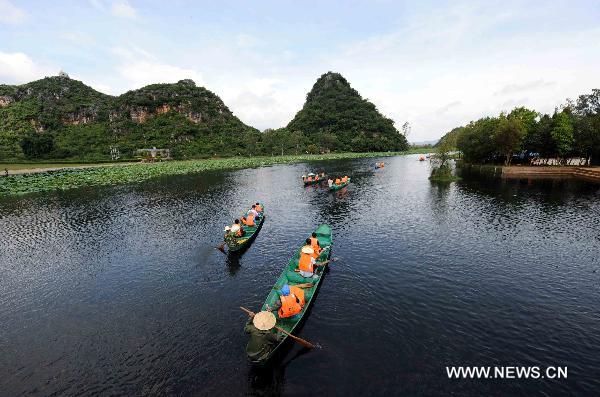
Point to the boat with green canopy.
(291, 277)
(237, 244)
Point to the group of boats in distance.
(289, 300)
(333, 184)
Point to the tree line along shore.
(526, 136)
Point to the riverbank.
(519, 172)
(35, 168)
(64, 178)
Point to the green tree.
(508, 137)
(562, 135)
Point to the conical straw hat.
(264, 320)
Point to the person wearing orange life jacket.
(314, 244)
(249, 220)
(338, 181)
(290, 303)
(307, 262)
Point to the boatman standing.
(263, 336)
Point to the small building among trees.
(154, 154)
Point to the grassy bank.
(128, 173)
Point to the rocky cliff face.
(162, 115)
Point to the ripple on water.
(119, 290)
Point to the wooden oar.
(303, 342)
(221, 248)
(304, 285)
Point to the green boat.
(237, 244)
(314, 182)
(335, 187)
(291, 277)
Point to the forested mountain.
(58, 117)
(61, 118)
(336, 117)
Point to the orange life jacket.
(250, 219)
(305, 263)
(314, 243)
(337, 181)
(292, 303)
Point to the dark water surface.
(118, 290)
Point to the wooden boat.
(335, 187)
(291, 277)
(236, 244)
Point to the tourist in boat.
(258, 208)
(236, 228)
(330, 182)
(314, 244)
(307, 261)
(290, 303)
(253, 211)
(263, 335)
(338, 181)
(248, 220)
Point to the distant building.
(63, 74)
(153, 154)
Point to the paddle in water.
(221, 248)
(303, 342)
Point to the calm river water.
(119, 290)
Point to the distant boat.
(342, 185)
(421, 158)
(313, 179)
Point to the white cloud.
(18, 68)
(263, 102)
(246, 41)
(123, 9)
(11, 14)
(77, 38)
(139, 68)
(526, 86)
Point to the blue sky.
(435, 64)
